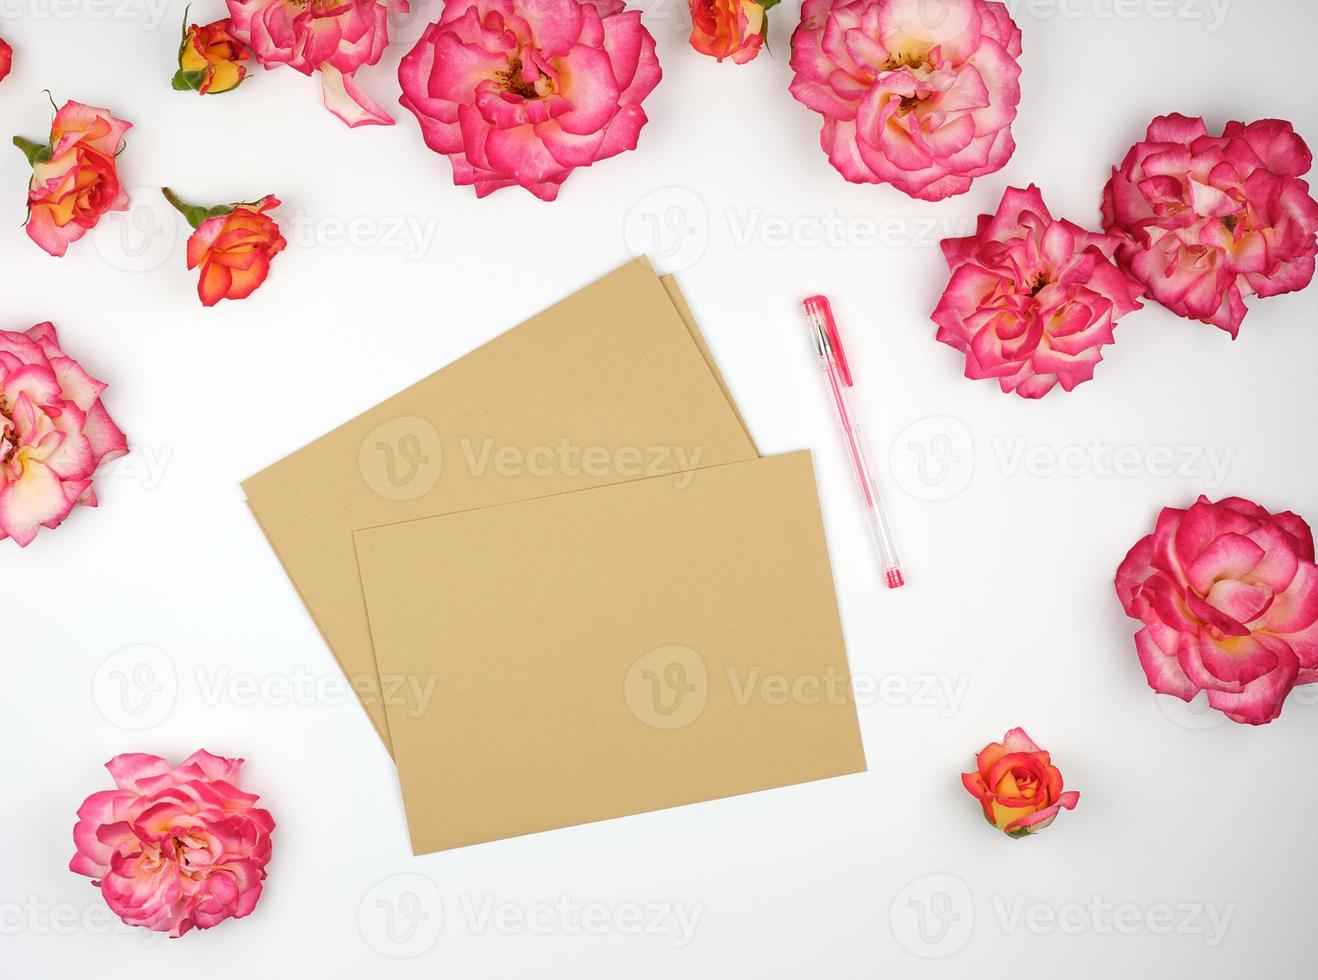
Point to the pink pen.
(833, 360)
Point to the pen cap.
(818, 306)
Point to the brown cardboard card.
(605, 386)
(611, 651)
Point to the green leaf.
(194, 213)
(187, 81)
(35, 152)
(769, 4)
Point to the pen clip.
(818, 305)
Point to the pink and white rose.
(334, 37)
(523, 92)
(54, 433)
(174, 847)
(1228, 594)
(1209, 220)
(75, 175)
(920, 94)
(1032, 299)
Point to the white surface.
(1010, 578)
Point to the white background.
(1010, 600)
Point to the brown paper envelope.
(611, 371)
(611, 651)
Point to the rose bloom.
(174, 847)
(54, 433)
(919, 94)
(209, 59)
(519, 92)
(727, 28)
(1017, 785)
(1228, 595)
(77, 181)
(1208, 220)
(234, 250)
(335, 37)
(1032, 300)
(6, 58)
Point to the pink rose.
(1209, 220)
(1228, 595)
(54, 433)
(919, 94)
(525, 91)
(334, 37)
(173, 848)
(1032, 300)
(75, 176)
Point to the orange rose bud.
(232, 245)
(209, 59)
(729, 28)
(1017, 785)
